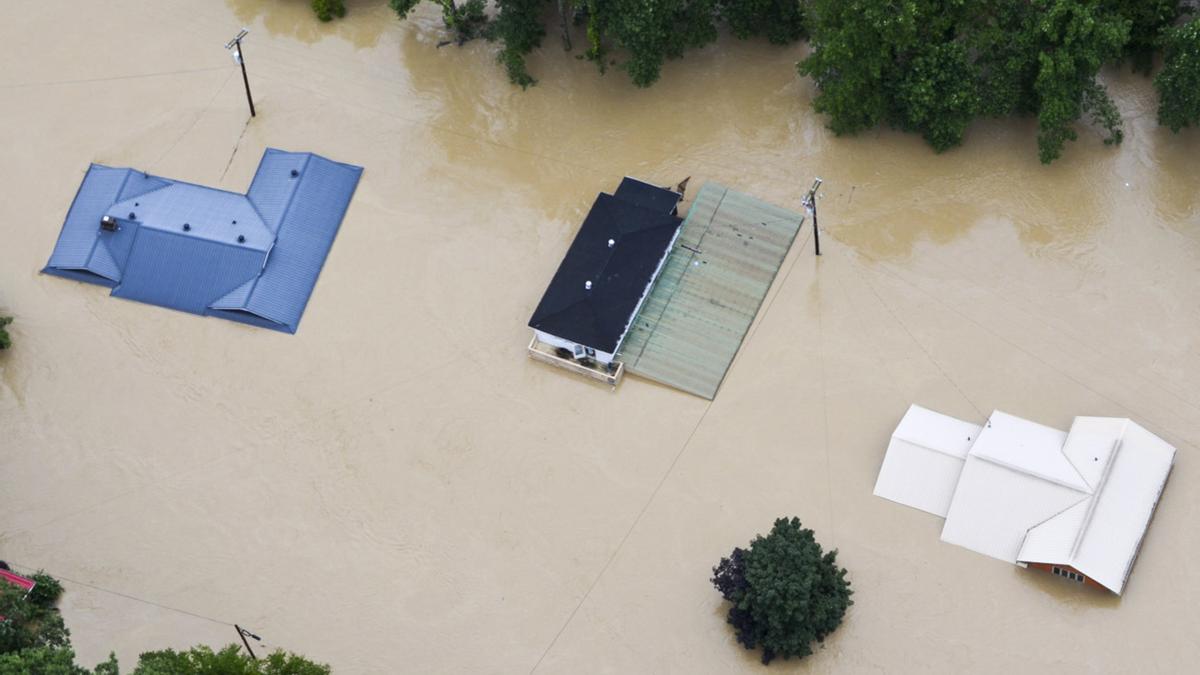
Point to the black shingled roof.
(646, 195)
(619, 274)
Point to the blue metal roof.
(252, 258)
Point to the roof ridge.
(1026, 471)
(1108, 467)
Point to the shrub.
(327, 9)
(784, 590)
(5, 340)
(29, 625)
(47, 591)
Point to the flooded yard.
(398, 488)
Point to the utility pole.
(242, 633)
(236, 45)
(810, 203)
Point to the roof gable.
(925, 459)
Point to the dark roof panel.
(648, 196)
(619, 273)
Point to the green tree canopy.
(34, 641)
(785, 591)
(642, 34)
(327, 9)
(229, 661)
(1179, 82)
(32, 622)
(42, 661)
(932, 66)
(5, 339)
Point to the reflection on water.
(295, 19)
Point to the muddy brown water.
(397, 488)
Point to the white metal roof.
(924, 459)
(995, 505)
(1022, 492)
(1027, 447)
(1101, 538)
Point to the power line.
(49, 83)
(127, 596)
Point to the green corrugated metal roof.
(709, 291)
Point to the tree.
(465, 19)
(932, 66)
(34, 641)
(30, 623)
(1179, 82)
(42, 661)
(229, 661)
(1148, 20)
(5, 340)
(327, 9)
(645, 34)
(782, 21)
(785, 592)
(46, 591)
(519, 27)
(1073, 40)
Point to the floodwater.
(397, 488)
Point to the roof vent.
(187, 227)
(587, 285)
(241, 239)
(132, 215)
(108, 224)
(235, 222)
(611, 242)
(295, 173)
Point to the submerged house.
(607, 272)
(1076, 504)
(252, 258)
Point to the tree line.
(34, 640)
(924, 66)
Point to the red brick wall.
(1049, 569)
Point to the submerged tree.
(466, 19)
(5, 339)
(327, 9)
(925, 66)
(1149, 19)
(932, 66)
(1179, 82)
(643, 34)
(229, 661)
(31, 620)
(34, 641)
(785, 591)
